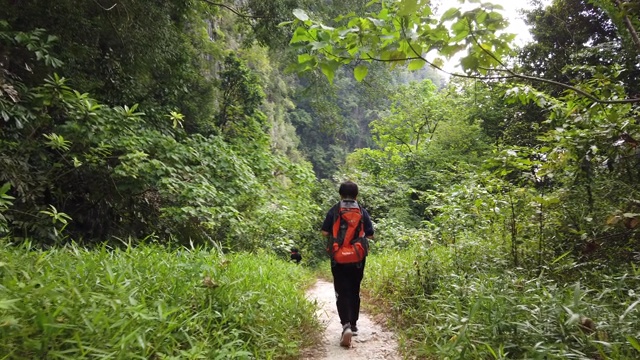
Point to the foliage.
(412, 118)
(570, 32)
(150, 302)
(290, 217)
(241, 96)
(450, 303)
(5, 202)
(129, 53)
(402, 32)
(115, 174)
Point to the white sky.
(510, 11)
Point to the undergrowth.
(450, 304)
(150, 302)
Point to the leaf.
(6, 304)
(439, 62)
(560, 257)
(303, 58)
(469, 63)
(481, 16)
(327, 71)
(460, 35)
(629, 309)
(300, 14)
(416, 64)
(318, 45)
(360, 72)
(299, 35)
(612, 220)
(408, 7)
(633, 342)
(450, 14)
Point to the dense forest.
(158, 159)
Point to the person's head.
(294, 250)
(348, 190)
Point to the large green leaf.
(360, 72)
(416, 64)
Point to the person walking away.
(295, 255)
(348, 227)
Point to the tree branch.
(629, 25)
(549, 81)
(510, 73)
(237, 12)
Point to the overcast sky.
(512, 12)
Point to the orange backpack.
(347, 241)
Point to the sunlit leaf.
(300, 14)
(416, 64)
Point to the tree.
(405, 32)
(412, 119)
(576, 32)
(153, 54)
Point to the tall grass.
(449, 305)
(149, 302)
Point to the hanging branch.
(513, 74)
(237, 12)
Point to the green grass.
(150, 302)
(462, 309)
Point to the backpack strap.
(361, 230)
(336, 215)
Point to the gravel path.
(372, 342)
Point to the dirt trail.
(372, 342)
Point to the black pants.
(346, 282)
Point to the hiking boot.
(345, 339)
(354, 330)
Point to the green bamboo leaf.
(7, 304)
(5, 188)
(633, 342)
(360, 72)
(629, 309)
(560, 257)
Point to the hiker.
(347, 266)
(295, 255)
